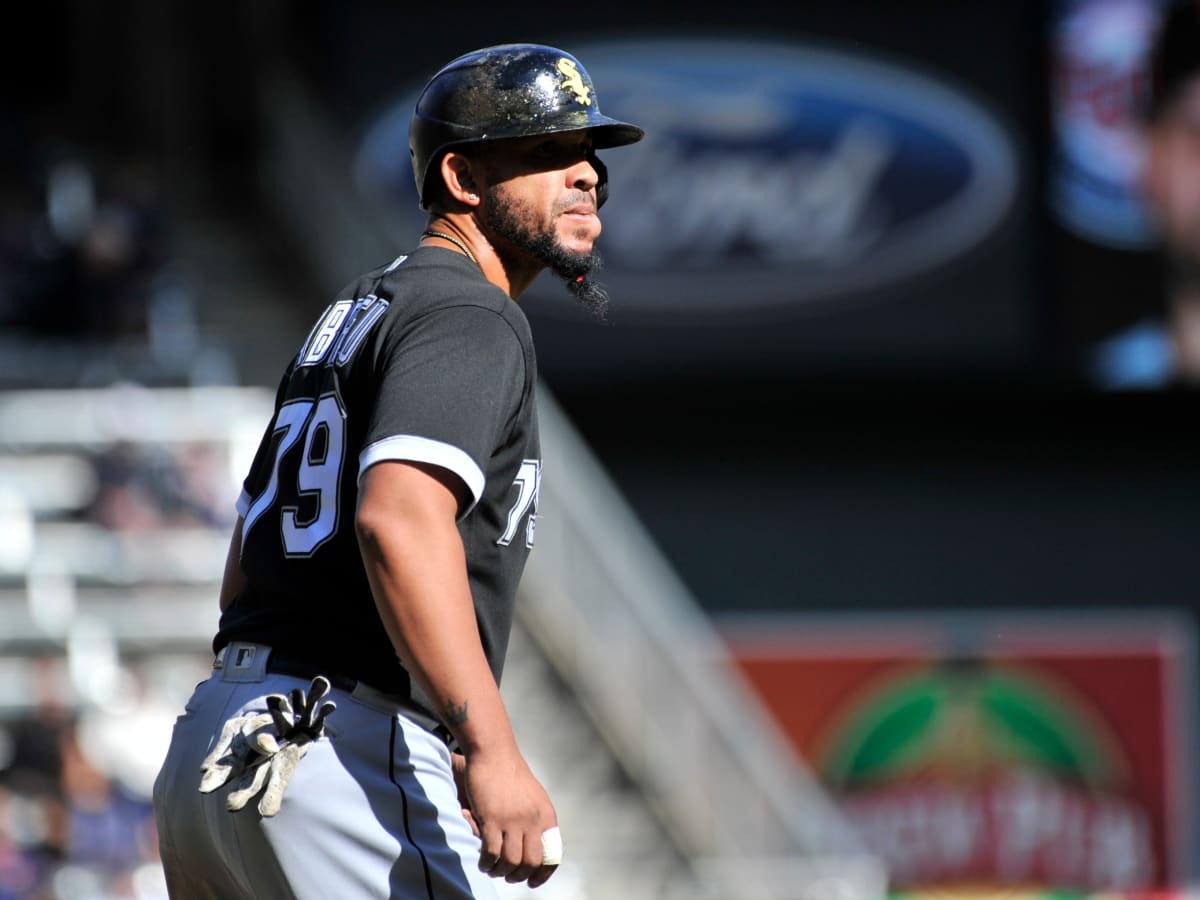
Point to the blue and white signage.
(1100, 82)
(772, 175)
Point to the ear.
(459, 176)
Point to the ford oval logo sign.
(771, 174)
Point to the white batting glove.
(260, 749)
(275, 771)
(235, 749)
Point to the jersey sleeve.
(451, 385)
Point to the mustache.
(576, 198)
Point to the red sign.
(982, 751)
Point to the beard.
(507, 219)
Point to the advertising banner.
(785, 189)
(1029, 753)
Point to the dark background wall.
(908, 482)
(985, 477)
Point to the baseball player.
(351, 740)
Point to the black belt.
(282, 664)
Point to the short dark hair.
(1174, 55)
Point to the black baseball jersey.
(422, 360)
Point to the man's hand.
(511, 810)
(458, 763)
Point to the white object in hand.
(552, 847)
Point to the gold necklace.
(455, 241)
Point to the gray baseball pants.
(371, 812)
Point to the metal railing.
(623, 630)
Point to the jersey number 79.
(322, 424)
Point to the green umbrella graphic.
(964, 719)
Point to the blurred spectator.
(34, 820)
(70, 826)
(1163, 351)
(109, 829)
(91, 288)
(84, 250)
(128, 487)
(142, 486)
(18, 871)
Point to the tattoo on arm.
(456, 715)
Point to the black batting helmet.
(507, 91)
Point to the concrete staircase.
(615, 847)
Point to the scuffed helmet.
(508, 91)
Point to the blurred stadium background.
(854, 579)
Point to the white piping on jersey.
(419, 449)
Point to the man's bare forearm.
(417, 568)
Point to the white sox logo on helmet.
(573, 81)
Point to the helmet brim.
(606, 133)
(614, 133)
